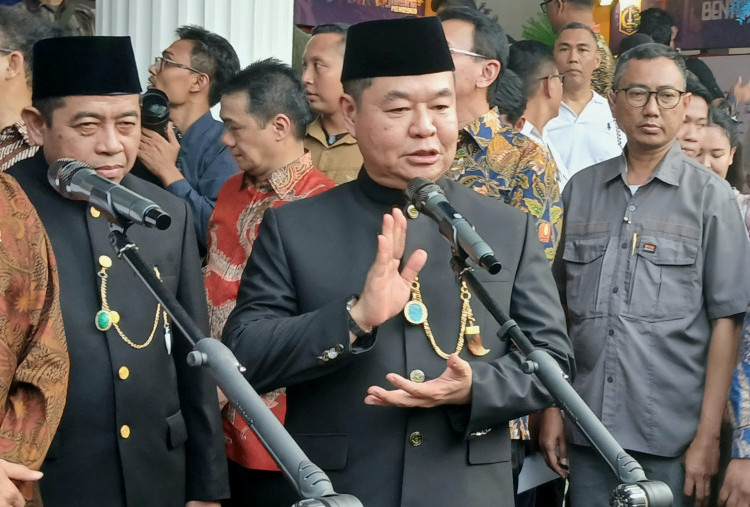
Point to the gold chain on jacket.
(415, 312)
(107, 318)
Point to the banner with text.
(319, 12)
(702, 24)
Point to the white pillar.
(256, 28)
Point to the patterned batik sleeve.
(739, 396)
(538, 193)
(34, 364)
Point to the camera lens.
(155, 111)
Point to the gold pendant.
(415, 312)
(474, 341)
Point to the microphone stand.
(635, 489)
(310, 482)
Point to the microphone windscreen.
(61, 172)
(418, 189)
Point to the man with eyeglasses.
(584, 131)
(654, 269)
(543, 86)
(492, 158)
(190, 72)
(18, 33)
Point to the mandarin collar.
(377, 192)
(386, 195)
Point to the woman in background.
(719, 153)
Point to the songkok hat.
(66, 66)
(396, 47)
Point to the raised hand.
(387, 290)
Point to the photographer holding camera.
(195, 167)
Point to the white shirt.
(542, 139)
(588, 138)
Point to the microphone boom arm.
(635, 486)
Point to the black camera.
(155, 111)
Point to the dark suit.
(172, 450)
(309, 258)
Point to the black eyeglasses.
(554, 76)
(6, 50)
(543, 5)
(159, 62)
(639, 96)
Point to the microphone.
(77, 180)
(642, 494)
(429, 198)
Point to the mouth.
(689, 151)
(109, 171)
(423, 157)
(311, 95)
(650, 128)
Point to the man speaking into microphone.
(140, 427)
(397, 385)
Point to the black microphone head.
(418, 189)
(61, 172)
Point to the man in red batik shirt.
(265, 112)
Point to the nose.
(705, 160)
(307, 75)
(227, 139)
(108, 141)
(422, 125)
(152, 69)
(651, 108)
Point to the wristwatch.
(350, 322)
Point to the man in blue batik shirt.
(736, 488)
(190, 72)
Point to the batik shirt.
(739, 396)
(231, 233)
(500, 162)
(601, 79)
(34, 363)
(15, 145)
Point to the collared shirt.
(586, 139)
(232, 232)
(500, 162)
(739, 396)
(234, 226)
(15, 145)
(542, 139)
(642, 277)
(206, 163)
(340, 161)
(603, 75)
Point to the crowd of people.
(611, 190)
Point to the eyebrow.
(88, 114)
(397, 94)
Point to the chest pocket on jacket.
(583, 268)
(663, 278)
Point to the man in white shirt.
(533, 62)
(584, 132)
